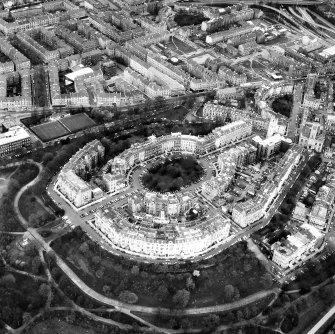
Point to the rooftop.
(13, 134)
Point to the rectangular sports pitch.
(77, 122)
(49, 131)
(62, 127)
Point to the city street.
(75, 219)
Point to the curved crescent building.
(159, 225)
(152, 239)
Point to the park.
(175, 172)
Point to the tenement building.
(70, 181)
(254, 209)
(176, 239)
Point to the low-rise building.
(13, 139)
(300, 212)
(293, 249)
(267, 148)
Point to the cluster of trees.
(287, 309)
(51, 320)
(185, 18)
(233, 274)
(208, 323)
(52, 159)
(173, 174)
(113, 148)
(40, 94)
(316, 273)
(105, 115)
(32, 210)
(283, 105)
(290, 200)
(23, 175)
(20, 298)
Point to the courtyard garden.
(283, 105)
(174, 173)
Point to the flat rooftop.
(14, 134)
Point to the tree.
(34, 220)
(266, 281)
(160, 102)
(128, 297)
(328, 293)
(47, 157)
(56, 273)
(181, 298)
(246, 312)
(301, 305)
(190, 283)
(84, 248)
(239, 315)
(229, 292)
(211, 321)
(31, 249)
(185, 324)
(135, 270)
(162, 292)
(35, 265)
(7, 280)
(106, 289)
(26, 317)
(44, 290)
(189, 101)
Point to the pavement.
(124, 307)
(315, 329)
(83, 222)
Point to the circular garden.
(175, 172)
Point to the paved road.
(75, 219)
(123, 307)
(323, 321)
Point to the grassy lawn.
(308, 318)
(32, 210)
(57, 326)
(4, 179)
(22, 175)
(155, 285)
(65, 322)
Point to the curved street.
(124, 307)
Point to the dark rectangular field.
(49, 131)
(77, 122)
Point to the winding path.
(23, 221)
(120, 306)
